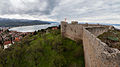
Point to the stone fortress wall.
(97, 53)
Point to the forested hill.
(4, 22)
(43, 49)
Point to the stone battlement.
(97, 53)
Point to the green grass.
(43, 50)
(113, 38)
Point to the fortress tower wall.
(63, 27)
(72, 31)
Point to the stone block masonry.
(97, 53)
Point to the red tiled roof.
(7, 42)
(17, 39)
(54, 28)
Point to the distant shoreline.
(32, 28)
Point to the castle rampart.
(97, 53)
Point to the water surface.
(32, 28)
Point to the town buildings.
(8, 38)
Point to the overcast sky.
(103, 11)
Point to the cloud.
(33, 17)
(31, 7)
(102, 11)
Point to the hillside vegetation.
(43, 50)
(111, 38)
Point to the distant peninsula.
(5, 22)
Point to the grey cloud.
(6, 7)
(89, 8)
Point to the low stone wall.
(97, 53)
(97, 30)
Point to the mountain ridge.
(6, 22)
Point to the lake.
(33, 27)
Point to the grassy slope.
(43, 50)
